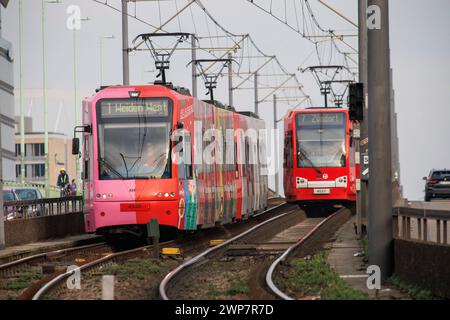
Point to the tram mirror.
(75, 146)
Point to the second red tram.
(319, 158)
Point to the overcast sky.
(420, 58)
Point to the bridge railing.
(13, 210)
(53, 190)
(421, 224)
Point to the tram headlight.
(301, 182)
(341, 182)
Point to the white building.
(7, 109)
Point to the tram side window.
(247, 156)
(188, 156)
(236, 167)
(86, 159)
(288, 150)
(185, 169)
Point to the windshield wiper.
(110, 168)
(310, 162)
(124, 162)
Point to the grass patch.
(315, 277)
(213, 293)
(236, 286)
(413, 290)
(137, 268)
(21, 281)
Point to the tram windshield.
(134, 138)
(321, 139)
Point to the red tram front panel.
(319, 159)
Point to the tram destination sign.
(322, 118)
(131, 108)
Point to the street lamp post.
(125, 49)
(44, 97)
(101, 56)
(75, 93)
(22, 119)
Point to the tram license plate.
(321, 191)
(131, 207)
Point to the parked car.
(437, 184)
(28, 193)
(22, 194)
(10, 212)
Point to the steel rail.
(269, 274)
(201, 256)
(49, 285)
(31, 258)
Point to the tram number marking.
(133, 207)
(321, 191)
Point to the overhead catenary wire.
(238, 45)
(311, 29)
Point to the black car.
(437, 184)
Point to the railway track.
(96, 264)
(246, 256)
(189, 246)
(19, 264)
(29, 273)
(291, 251)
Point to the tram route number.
(225, 309)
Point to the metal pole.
(44, 99)
(194, 71)
(2, 219)
(276, 144)
(256, 94)
(75, 99)
(22, 119)
(101, 61)
(358, 181)
(380, 192)
(230, 80)
(125, 52)
(363, 126)
(396, 194)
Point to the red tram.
(319, 158)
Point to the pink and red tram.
(132, 173)
(319, 158)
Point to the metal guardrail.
(13, 210)
(54, 191)
(421, 224)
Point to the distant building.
(59, 150)
(6, 109)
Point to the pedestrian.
(73, 188)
